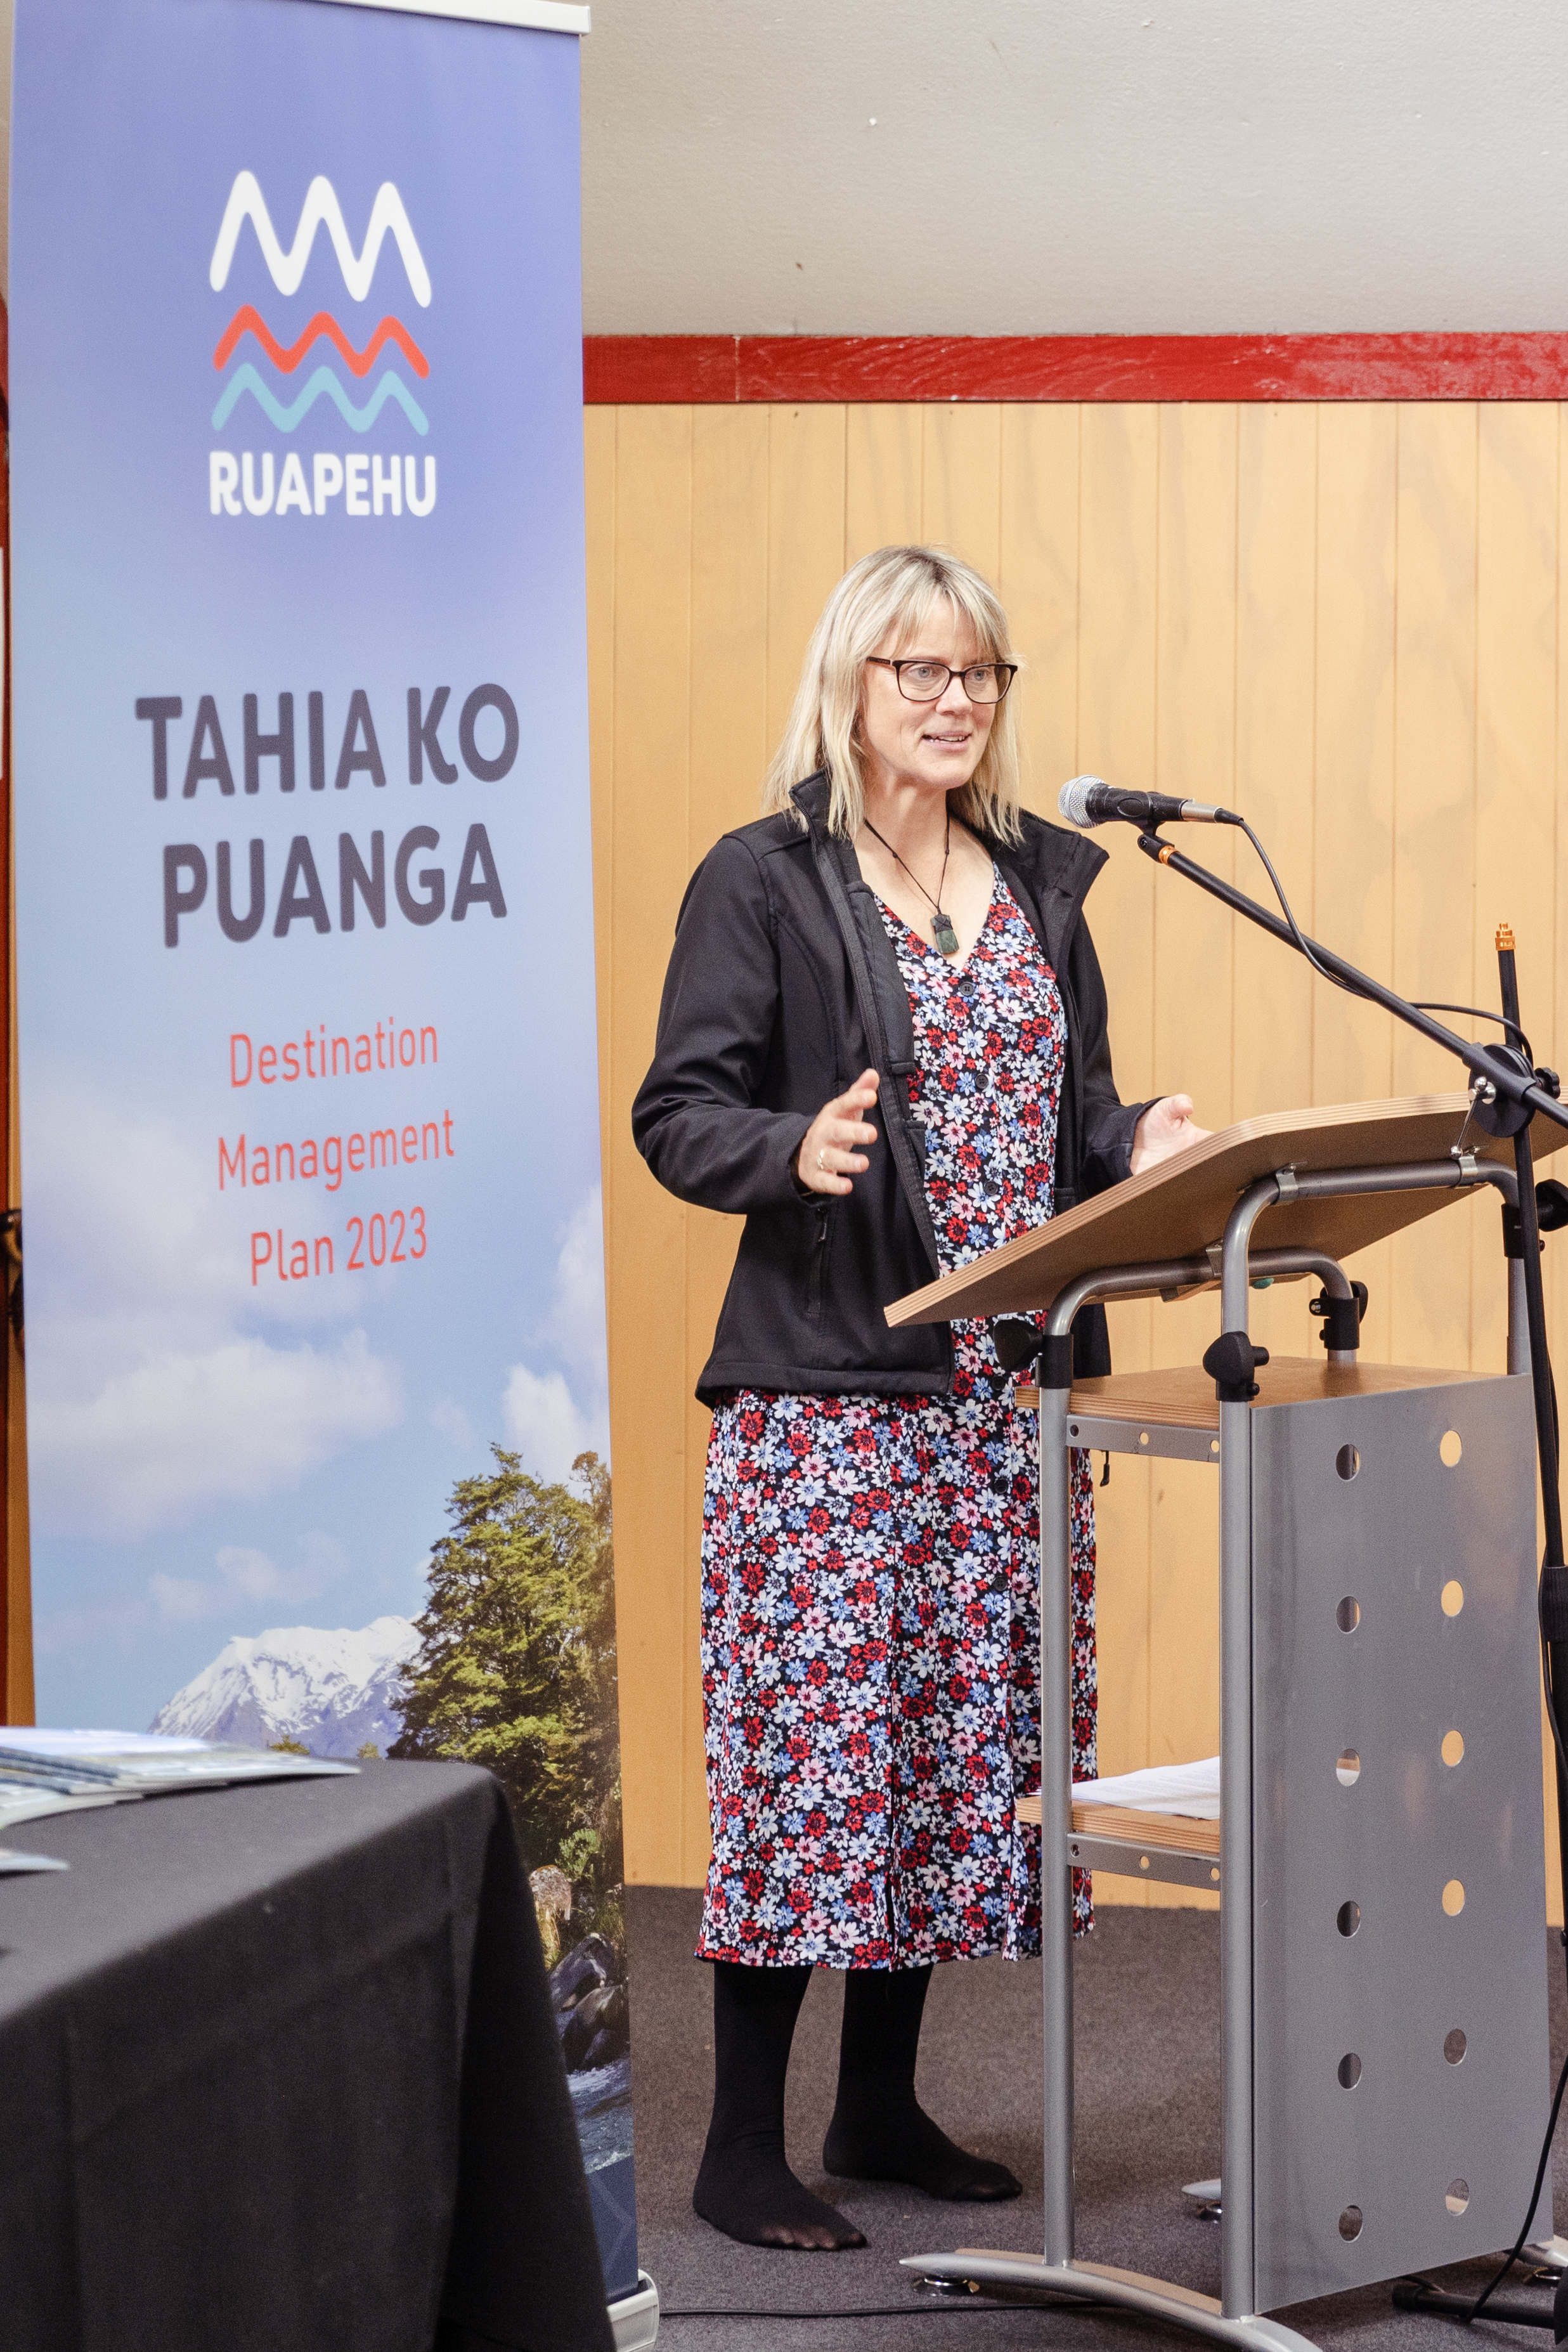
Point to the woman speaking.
(883, 1042)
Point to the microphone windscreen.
(1072, 800)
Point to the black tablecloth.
(278, 2073)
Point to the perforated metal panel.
(1358, 2111)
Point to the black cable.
(1546, 1674)
(1486, 2294)
(1466, 2317)
(1541, 1618)
(1479, 1013)
(1474, 1011)
(1295, 930)
(1420, 2294)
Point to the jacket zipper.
(909, 1176)
(1071, 1072)
(819, 1261)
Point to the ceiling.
(1120, 166)
(1032, 167)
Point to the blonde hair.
(896, 589)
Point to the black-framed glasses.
(927, 681)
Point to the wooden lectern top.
(1178, 1209)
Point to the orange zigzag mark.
(359, 363)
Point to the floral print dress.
(871, 1604)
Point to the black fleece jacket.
(782, 987)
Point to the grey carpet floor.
(1147, 1996)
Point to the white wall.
(1051, 167)
(1036, 167)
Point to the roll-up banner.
(317, 1430)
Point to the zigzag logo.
(320, 210)
(323, 384)
(247, 320)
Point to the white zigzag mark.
(320, 209)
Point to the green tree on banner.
(516, 1668)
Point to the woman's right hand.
(829, 1153)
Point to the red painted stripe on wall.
(648, 369)
(708, 368)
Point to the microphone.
(1088, 800)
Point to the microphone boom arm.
(1482, 1061)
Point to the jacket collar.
(811, 795)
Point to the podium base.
(1178, 2306)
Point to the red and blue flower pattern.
(870, 1607)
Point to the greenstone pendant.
(946, 938)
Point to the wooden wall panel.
(806, 481)
(1516, 748)
(963, 482)
(1516, 727)
(1435, 823)
(1276, 617)
(1117, 606)
(1276, 614)
(729, 746)
(884, 462)
(1036, 577)
(1352, 788)
(1346, 619)
(1118, 539)
(649, 1301)
(1194, 955)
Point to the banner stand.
(316, 1346)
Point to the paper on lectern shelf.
(1191, 1790)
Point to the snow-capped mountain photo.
(332, 1691)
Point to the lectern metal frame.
(1235, 1264)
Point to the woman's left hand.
(1165, 1129)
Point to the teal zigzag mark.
(389, 385)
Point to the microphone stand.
(1500, 1070)
(1504, 1093)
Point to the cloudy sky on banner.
(555, 1412)
(155, 1401)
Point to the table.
(278, 2073)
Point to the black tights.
(745, 2187)
(879, 2130)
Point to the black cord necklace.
(942, 925)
